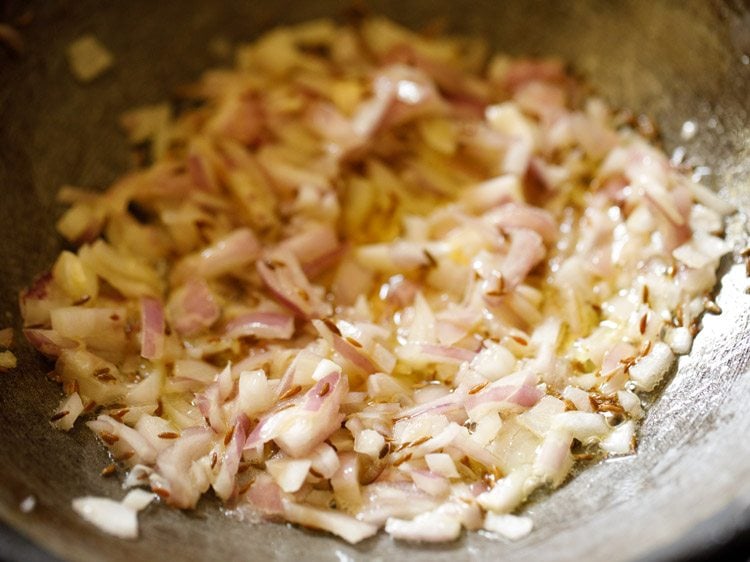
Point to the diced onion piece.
(289, 474)
(75, 278)
(583, 426)
(67, 412)
(650, 369)
(6, 337)
(622, 439)
(88, 58)
(325, 461)
(427, 527)
(108, 515)
(369, 442)
(344, 526)
(506, 494)
(138, 499)
(8, 361)
(511, 527)
(553, 459)
(433, 484)
(255, 395)
(152, 329)
(540, 418)
(442, 464)
(680, 340)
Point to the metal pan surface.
(684, 494)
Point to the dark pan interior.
(687, 489)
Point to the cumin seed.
(288, 393)
(59, 415)
(168, 435)
(109, 438)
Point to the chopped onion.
(289, 474)
(651, 368)
(8, 361)
(511, 527)
(138, 499)
(442, 464)
(88, 58)
(152, 331)
(112, 517)
(427, 527)
(67, 412)
(373, 270)
(266, 325)
(348, 528)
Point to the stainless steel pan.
(685, 492)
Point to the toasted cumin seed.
(245, 488)
(109, 470)
(120, 414)
(402, 446)
(109, 438)
(627, 361)
(519, 340)
(645, 294)
(125, 456)
(646, 347)
(324, 389)
(214, 459)
(168, 435)
(228, 436)
(569, 405)
(614, 408)
(354, 342)
(288, 393)
(584, 456)
(711, 307)
(384, 451)
(644, 323)
(332, 326)
(69, 387)
(478, 388)
(402, 460)
(161, 492)
(284, 407)
(59, 415)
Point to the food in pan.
(371, 279)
